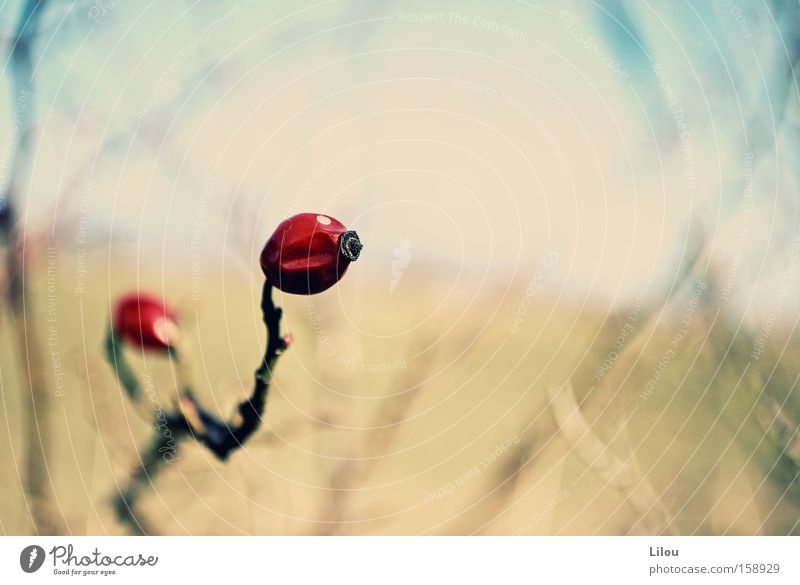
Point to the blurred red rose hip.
(143, 320)
(309, 253)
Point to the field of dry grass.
(459, 413)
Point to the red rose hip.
(143, 320)
(309, 253)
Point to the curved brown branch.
(223, 437)
(191, 420)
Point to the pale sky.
(485, 134)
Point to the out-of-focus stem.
(142, 479)
(116, 357)
(38, 483)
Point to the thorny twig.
(191, 420)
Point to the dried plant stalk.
(622, 475)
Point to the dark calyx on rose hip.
(309, 253)
(142, 320)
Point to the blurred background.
(575, 310)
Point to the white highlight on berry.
(324, 220)
(166, 331)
